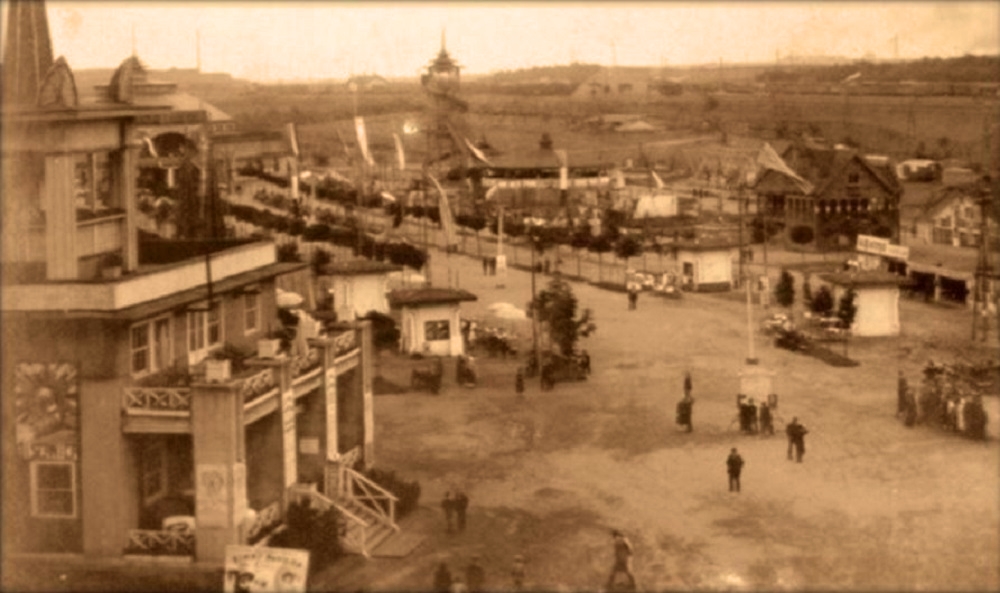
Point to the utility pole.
(740, 205)
(984, 268)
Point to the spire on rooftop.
(27, 55)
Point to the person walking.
(633, 299)
(688, 384)
(790, 431)
(684, 412)
(442, 579)
(486, 267)
(585, 362)
(734, 465)
(461, 505)
(902, 389)
(448, 505)
(475, 576)
(798, 436)
(517, 573)
(623, 560)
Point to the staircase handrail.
(370, 491)
(316, 497)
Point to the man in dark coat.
(766, 425)
(797, 434)
(688, 384)
(448, 505)
(442, 579)
(734, 465)
(684, 409)
(461, 505)
(475, 576)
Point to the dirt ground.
(874, 506)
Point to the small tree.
(557, 305)
(847, 309)
(784, 292)
(801, 235)
(600, 245)
(822, 302)
(628, 246)
(579, 241)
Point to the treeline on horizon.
(963, 69)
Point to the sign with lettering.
(281, 569)
(880, 246)
(250, 569)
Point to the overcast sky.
(288, 41)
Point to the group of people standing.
(754, 418)
(949, 409)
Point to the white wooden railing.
(157, 400)
(160, 542)
(354, 536)
(356, 486)
(267, 518)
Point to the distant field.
(884, 124)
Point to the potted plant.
(218, 368)
(111, 266)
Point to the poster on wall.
(47, 411)
(211, 491)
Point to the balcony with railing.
(158, 543)
(164, 270)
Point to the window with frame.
(53, 489)
(93, 183)
(204, 331)
(151, 346)
(251, 312)
(437, 330)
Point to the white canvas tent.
(655, 205)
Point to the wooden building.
(115, 419)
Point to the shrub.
(822, 301)
(319, 532)
(801, 235)
(385, 334)
(289, 252)
(784, 292)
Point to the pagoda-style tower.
(442, 83)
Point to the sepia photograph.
(466, 297)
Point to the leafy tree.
(801, 235)
(626, 247)
(847, 310)
(600, 245)
(557, 305)
(579, 241)
(822, 301)
(784, 292)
